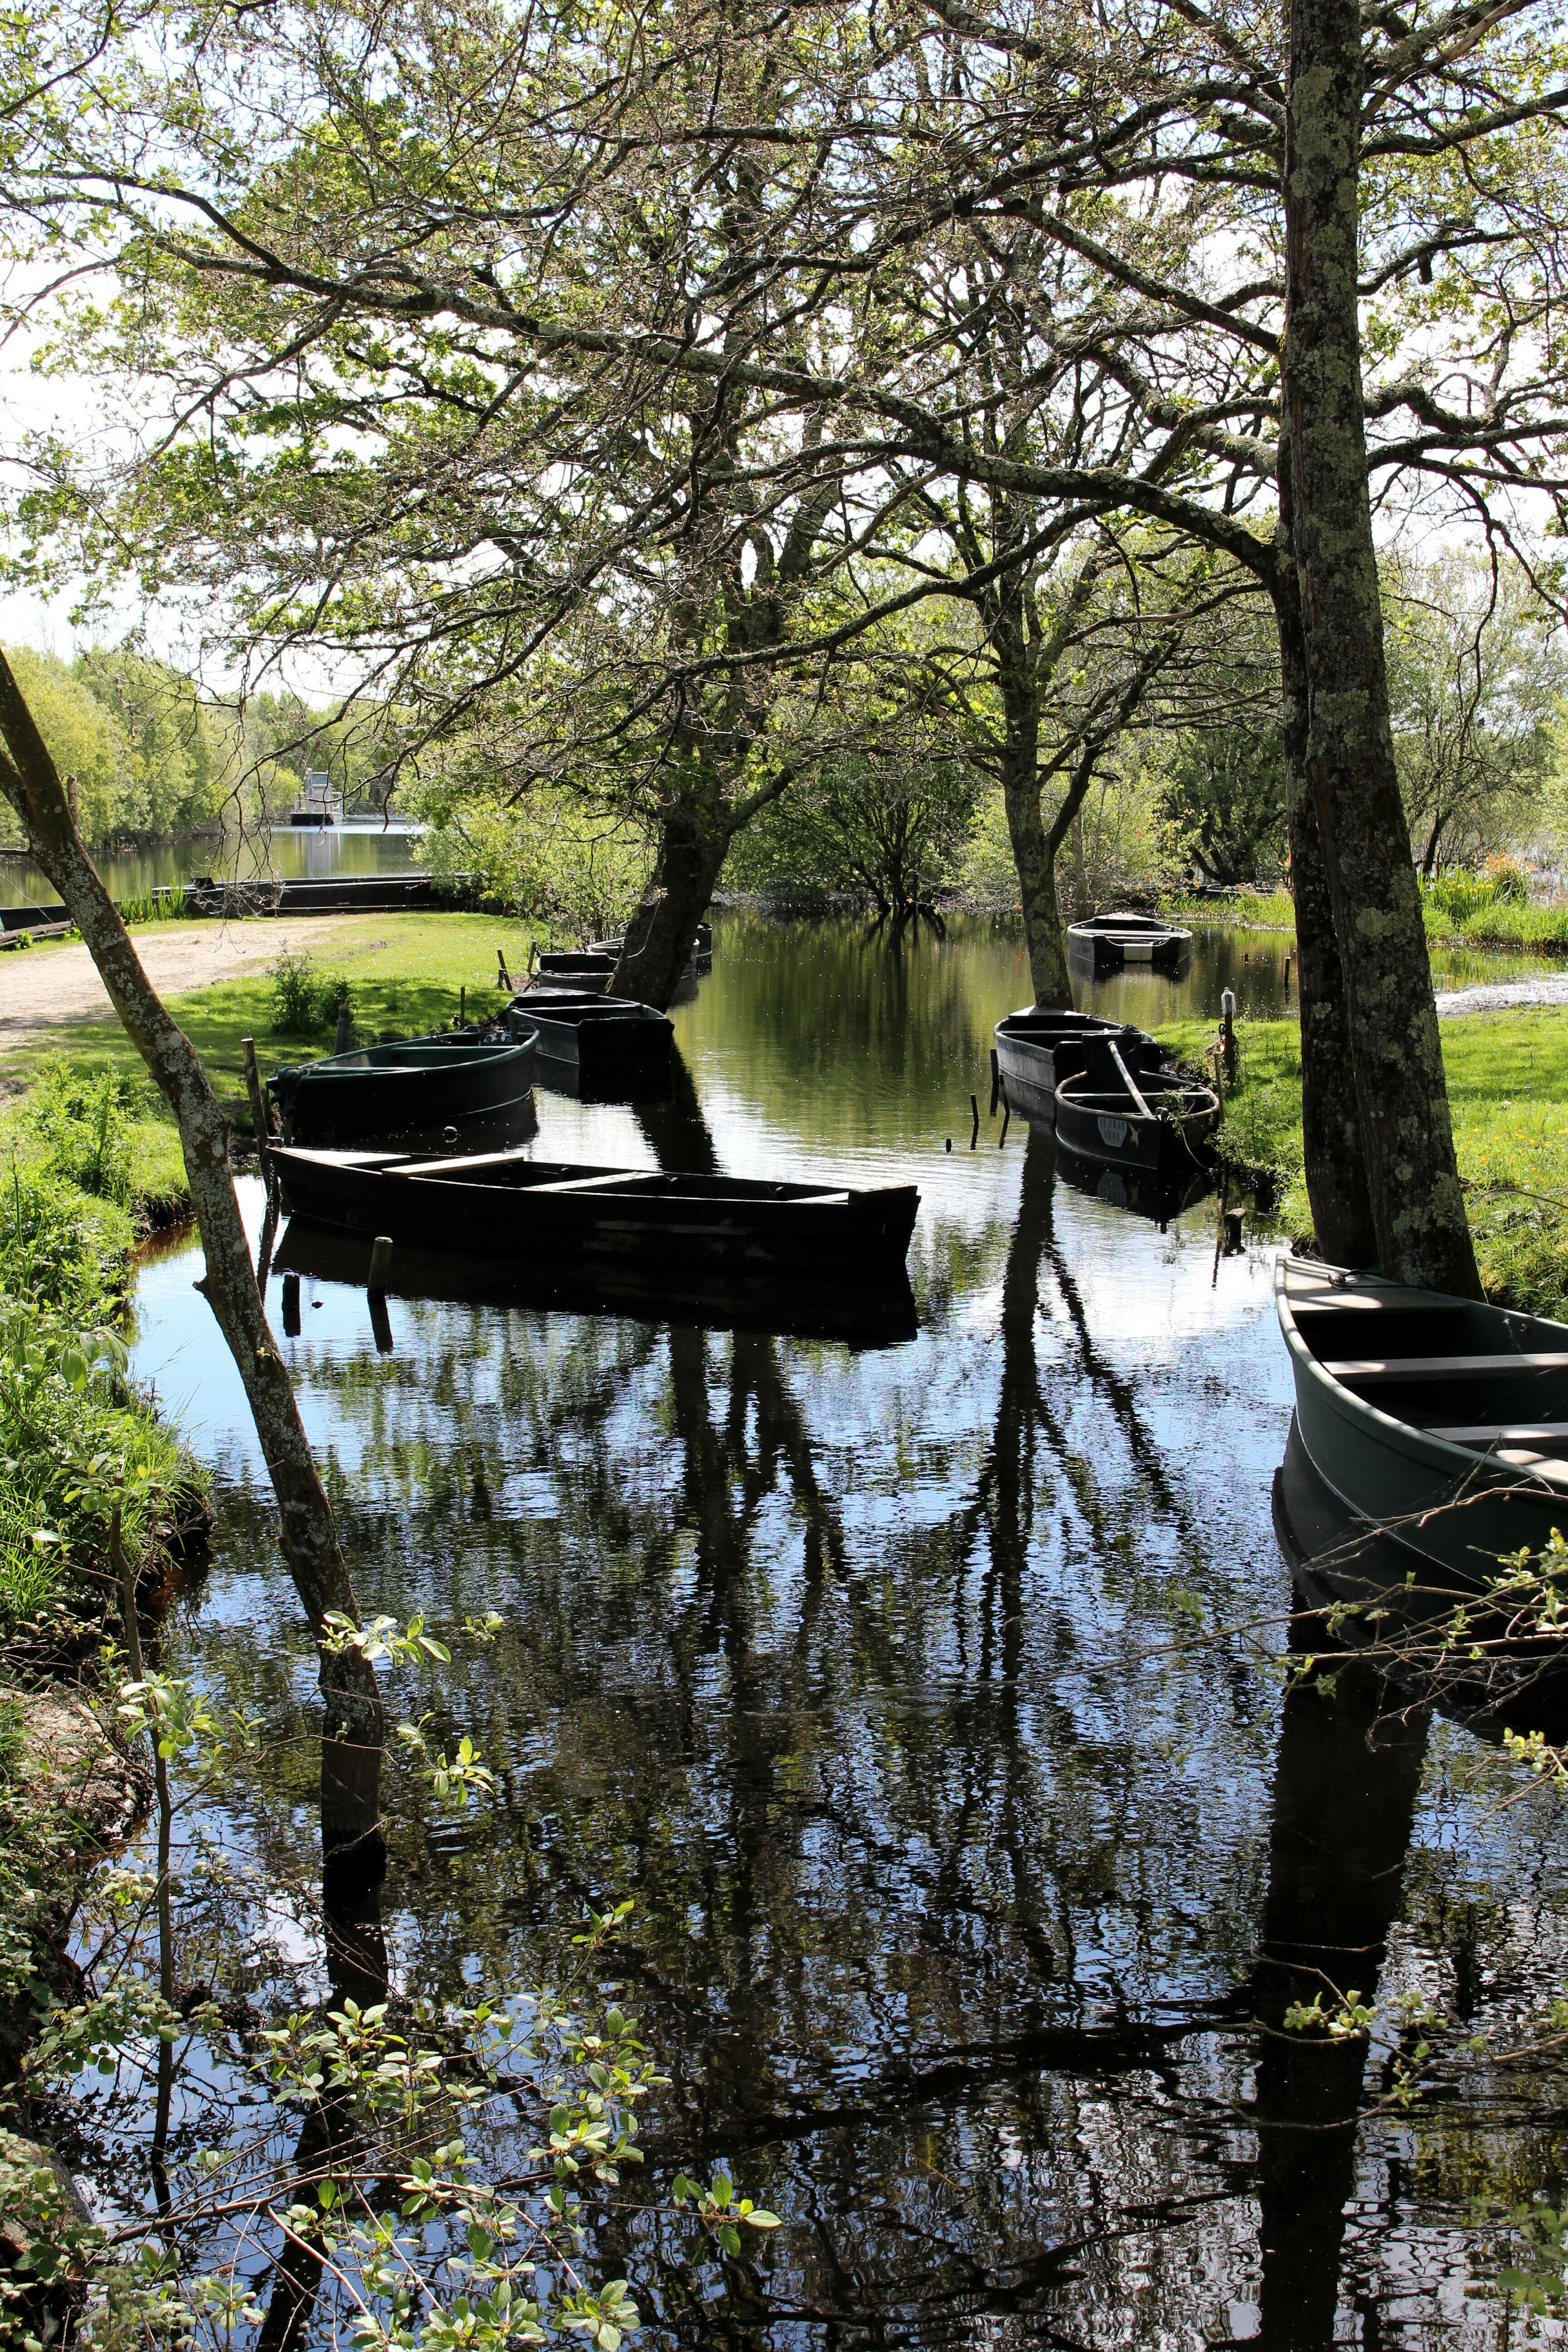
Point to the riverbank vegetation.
(1508, 1085)
(87, 1167)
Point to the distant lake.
(360, 847)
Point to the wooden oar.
(1127, 1082)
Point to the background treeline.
(906, 804)
(154, 757)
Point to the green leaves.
(381, 1639)
(720, 2211)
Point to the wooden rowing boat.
(416, 1084)
(606, 1047)
(873, 1312)
(516, 1206)
(595, 964)
(1439, 1420)
(1036, 1050)
(1155, 1121)
(1121, 938)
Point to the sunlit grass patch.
(1271, 910)
(1508, 1094)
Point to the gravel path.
(42, 988)
(1498, 995)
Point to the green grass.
(1508, 1091)
(1272, 910)
(85, 1157)
(1534, 930)
(1524, 930)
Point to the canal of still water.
(926, 1698)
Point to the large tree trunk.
(1418, 1210)
(353, 1731)
(1336, 1164)
(694, 839)
(1033, 848)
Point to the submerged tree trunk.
(1413, 1181)
(1335, 1163)
(694, 839)
(353, 1731)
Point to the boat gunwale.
(475, 1054)
(451, 1170)
(1204, 1102)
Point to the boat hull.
(600, 1046)
(1108, 943)
(621, 1217)
(447, 1085)
(1461, 1509)
(1109, 1130)
(1362, 1580)
(1036, 1051)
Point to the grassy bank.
(1508, 1086)
(1496, 926)
(86, 1165)
(402, 973)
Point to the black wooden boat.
(595, 965)
(628, 1216)
(1036, 1050)
(34, 918)
(1374, 1595)
(1440, 1420)
(1155, 1121)
(873, 1312)
(1121, 939)
(578, 965)
(418, 1084)
(605, 1046)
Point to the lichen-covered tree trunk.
(694, 839)
(1412, 1183)
(353, 1731)
(1336, 1164)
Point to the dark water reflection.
(970, 1888)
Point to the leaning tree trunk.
(1412, 1180)
(1336, 1164)
(353, 1731)
(694, 839)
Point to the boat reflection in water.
(1499, 1675)
(877, 1313)
(1353, 1749)
(1141, 1192)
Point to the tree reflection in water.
(970, 1893)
